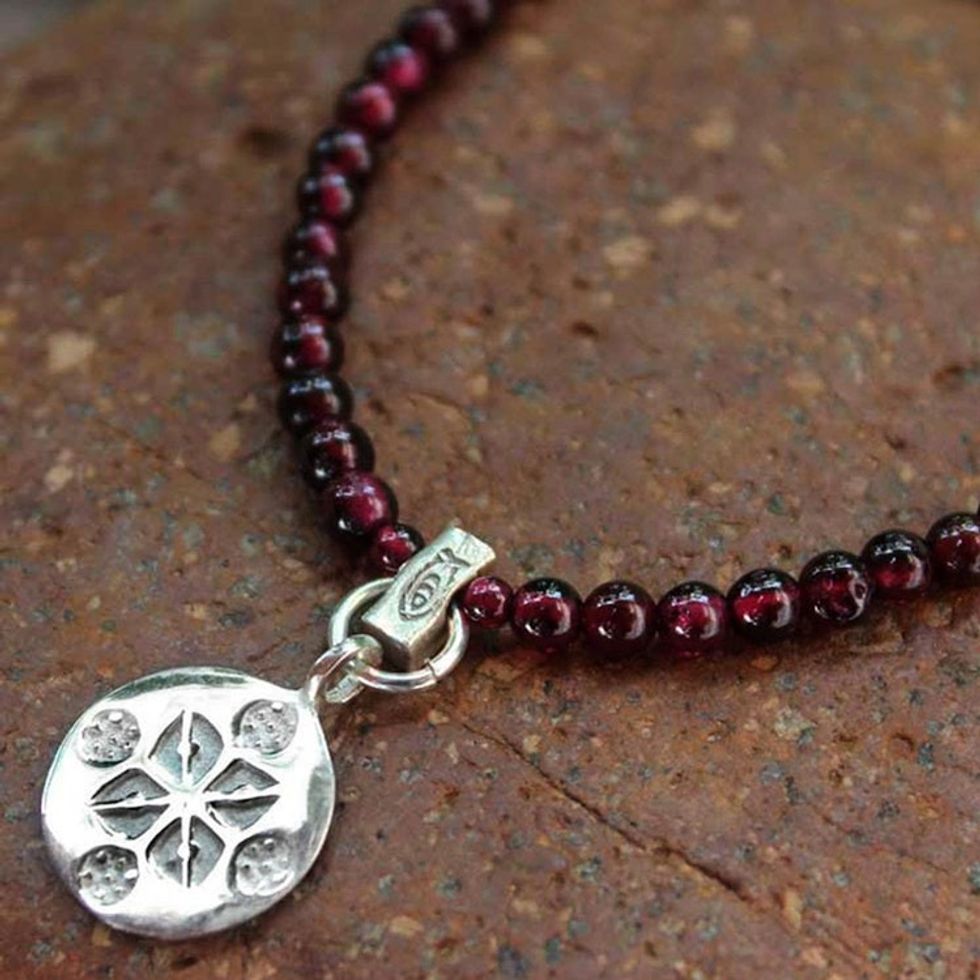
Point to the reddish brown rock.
(657, 290)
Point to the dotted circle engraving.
(107, 875)
(111, 736)
(263, 865)
(268, 726)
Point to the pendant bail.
(410, 616)
(412, 624)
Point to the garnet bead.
(546, 613)
(471, 17)
(334, 447)
(305, 345)
(344, 151)
(314, 241)
(693, 619)
(312, 290)
(765, 605)
(369, 106)
(618, 618)
(836, 587)
(954, 543)
(309, 399)
(430, 29)
(356, 504)
(330, 195)
(392, 545)
(401, 68)
(486, 602)
(898, 564)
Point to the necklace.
(191, 800)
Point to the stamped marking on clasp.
(427, 588)
(411, 616)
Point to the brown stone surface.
(657, 288)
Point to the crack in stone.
(660, 848)
(155, 454)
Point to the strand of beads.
(361, 510)
(764, 606)
(315, 403)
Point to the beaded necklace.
(191, 800)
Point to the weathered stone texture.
(651, 287)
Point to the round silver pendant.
(189, 801)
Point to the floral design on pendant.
(205, 796)
(194, 815)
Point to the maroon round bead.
(430, 29)
(334, 447)
(471, 17)
(370, 106)
(546, 613)
(486, 602)
(305, 345)
(618, 618)
(330, 195)
(314, 241)
(898, 564)
(693, 619)
(836, 587)
(954, 543)
(356, 504)
(345, 151)
(309, 399)
(764, 605)
(402, 69)
(392, 545)
(312, 290)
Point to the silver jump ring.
(346, 660)
(394, 682)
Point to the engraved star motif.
(197, 819)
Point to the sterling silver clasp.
(401, 634)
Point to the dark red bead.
(836, 587)
(369, 106)
(693, 619)
(618, 618)
(334, 447)
(764, 605)
(954, 543)
(307, 400)
(305, 345)
(471, 17)
(314, 241)
(486, 602)
(345, 151)
(898, 564)
(312, 290)
(546, 613)
(392, 545)
(430, 29)
(356, 504)
(330, 195)
(402, 69)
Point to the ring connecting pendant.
(191, 800)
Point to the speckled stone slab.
(651, 288)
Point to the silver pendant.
(191, 800)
